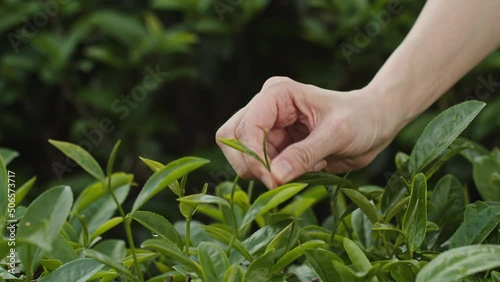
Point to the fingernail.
(282, 171)
(320, 165)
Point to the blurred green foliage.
(162, 75)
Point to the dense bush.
(408, 231)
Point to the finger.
(235, 158)
(301, 157)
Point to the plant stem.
(128, 231)
(130, 239)
(333, 207)
(231, 207)
(188, 235)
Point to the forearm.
(449, 38)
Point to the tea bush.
(405, 231)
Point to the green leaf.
(53, 207)
(415, 218)
(160, 179)
(446, 207)
(112, 222)
(395, 188)
(455, 148)
(4, 191)
(270, 200)
(112, 157)
(171, 251)
(8, 155)
(322, 262)
(260, 268)
(112, 248)
(483, 169)
(441, 132)
(234, 273)
(98, 190)
(226, 237)
(159, 225)
(236, 144)
(24, 190)
(153, 165)
(457, 263)
(479, 220)
(323, 178)
(400, 159)
(360, 262)
(363, 203)
(203, 199)
(119, 267)
(79, 270)
(62, 250)
(81, 157)
(213, 261)
(285, 240)
(296, 253)
(362, 227)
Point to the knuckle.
(280, 82)
(240, 131)
(303, 155)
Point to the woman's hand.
(309, 129)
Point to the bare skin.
(311, 128)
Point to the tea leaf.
(236, 144)
(483, 169)
(79, 270)
(270, 200)
(24, 190)
(323, 178)
(460, 262)
(260, 268)
(51, 207)
(203, 199)
(415, 218)
(226, 237)
(446, 207)
(363, 203)
(112, 157)
(360, 262)
(479, 220)
(441, 132)
(322, 262)
(171, 251)
(296, 253)
(160, 179)
(100, 257)
(234, 273)
(159, 225)
(213, 261)
(4, 199)
(113, 222)
(98, 190)
(153, 165)
(8, 155)
(81, 157)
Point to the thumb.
(300, 157)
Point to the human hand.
(309, 129)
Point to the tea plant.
(411, 230)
